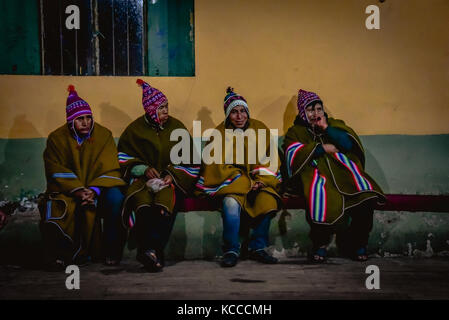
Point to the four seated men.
(140, 190)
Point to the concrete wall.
(390, 85)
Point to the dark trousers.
(109, 205)
(352, 230)
(153, 229)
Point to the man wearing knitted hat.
(156, 184)
(247, 192)
(325, 161)
(83, 176)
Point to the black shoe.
(229, 259)
(149, 260)
(262, 256)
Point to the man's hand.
(151, 173)
(322, 123)
(3, 219)
(257, 185)
(91, 195)
(85, 196)
(167, 180)
(330, 148)
(80, 194)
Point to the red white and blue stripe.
(191, 171)
(123, 157)
(132, 219)
(213, 190)
(360, 181)
(317, 198)
(290, 154)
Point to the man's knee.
(230, 203)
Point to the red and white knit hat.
(152, 99)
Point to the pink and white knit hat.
(152, 99)
(75, 106)
(304, 99)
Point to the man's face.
(314, 112)
(238, 117)
(83, 124)
(162, 113)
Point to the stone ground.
(292, 279)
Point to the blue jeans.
(231, 227)
(114, 235)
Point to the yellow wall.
(388, 81)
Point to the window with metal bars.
(110, 40)
(116, 37)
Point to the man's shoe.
(229, 259)
(263, 257)
(149, 260)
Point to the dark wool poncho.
(144, 142)
(331, 183)
(69, 167)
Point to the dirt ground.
(290, 279)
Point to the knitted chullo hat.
(152, 99)
(304, 99)
(75, 106)
(232, 100)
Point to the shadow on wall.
(22, 171)
(113, 118)
(51, 124)
(373, 168)
(289, 114)
(177, 244)
(204, 115)
(212, 235)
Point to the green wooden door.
(171, 45)
(19, 37)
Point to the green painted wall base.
(197, 235)
(400, 164)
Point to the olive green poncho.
(235, 180)
(145, 143)
(69, 167)
(331, 183)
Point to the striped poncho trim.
(123, 157)
(191, 171)
(318, 199)
(65, 175)
(290, 154)
(213, 190)
(361, 183)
